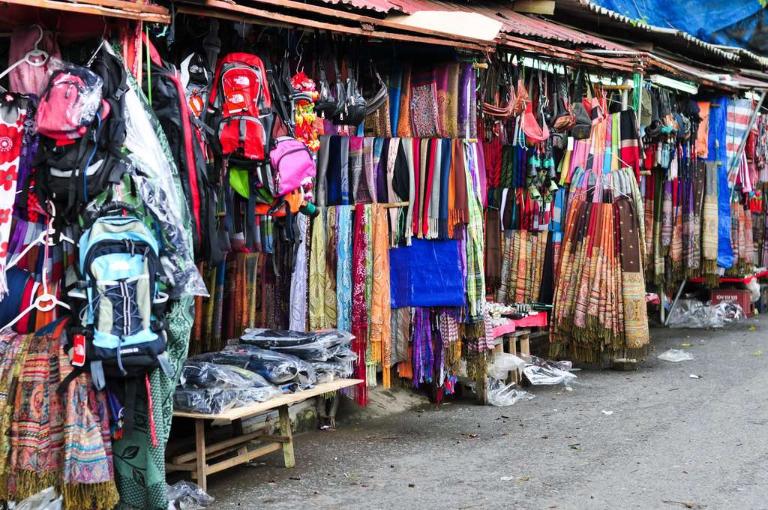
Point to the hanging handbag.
(582, 127)
(377, 100)
(564, 119)
(535, 132)
(354, 109)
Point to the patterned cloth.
(380, 316)
(344, 268)
(11, 135)
(299, 283)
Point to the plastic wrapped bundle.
(217, 400)
(275, 367)
(203, 374)
(318, 346)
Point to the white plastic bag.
(503, 363)
(675, 355)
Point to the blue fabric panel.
(717, 144)
(427, 273)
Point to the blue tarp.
(717, 145)
(733, 23)
(427, 273)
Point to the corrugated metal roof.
(513, 22)
(384, 6)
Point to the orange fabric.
(702, 136)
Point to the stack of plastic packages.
(212, 388)
(329, 352)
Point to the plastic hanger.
(32, 57)
(45, 238)
(46, 301)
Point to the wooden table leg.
(285, 431)
(200, 450)
(237, 431)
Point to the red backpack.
(242, 104)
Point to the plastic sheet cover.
(427, 273)
(717, 152)
(735, 23)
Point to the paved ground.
(671, 442)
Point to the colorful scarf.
(37, 426)
(380, 316)
(12, 353)
(467, 110)
(344, 268)
(423, 105)
(709, 224)
(404, 118)
(359, 307)
(330, 267)
(88, 474)
(11, 137)
(358, 184)
(474, 243)
(318, 318)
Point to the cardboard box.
(740, 297)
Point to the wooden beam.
(109, 8)
(535, 6)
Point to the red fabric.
(430, 177)
(359, 307)
(417, 184)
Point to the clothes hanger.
(45, 238)
(46, 301)
(32, 56)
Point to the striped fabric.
(739, 112)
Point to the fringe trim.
(96, 496)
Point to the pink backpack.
(292, 165)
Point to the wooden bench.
(197, 462)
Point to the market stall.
(219, 218)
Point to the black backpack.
(185, 135)
(72, 175)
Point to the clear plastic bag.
(503, 363)
(692, 313)
(46, 499)
(69, 103)
(184, 495)
(160, 189)
(502, 395)
(541, 372)
(675, 355)
(203, 374)
(217, 400)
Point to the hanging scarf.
(88, 474)
(12, 352)
(299, 279)
(11, 136)
(433, 216)
(318, 318)
(344, 269)
(358, 186)
(423, 361)
(404, 118)
(359, 309)
(460, 213)
(323, 156)
(474, 243)
(380, 319)
(407, 148)
(394, 87)
(37, 426)
(444, 195)
(425, 154)
(630, 142)
(369, 181)
(467, 110)
(709, 221)
(330, 267)
(493, 257)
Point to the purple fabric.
(422, 347)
